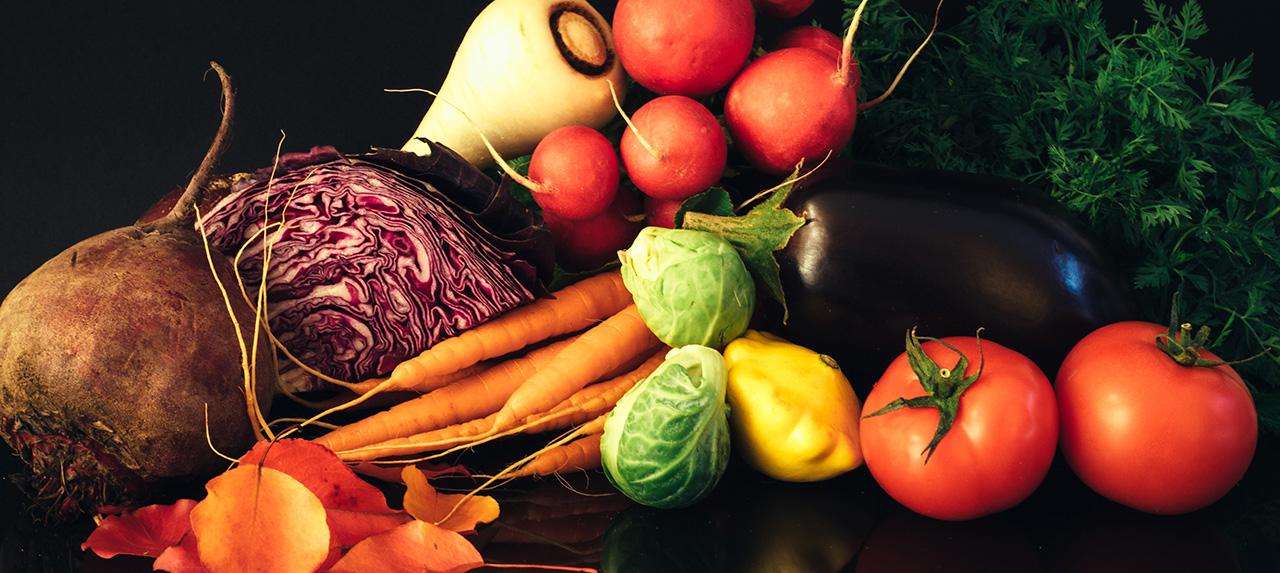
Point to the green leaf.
(561, 278)
(765, 229)
(518, 191)
(713, 201)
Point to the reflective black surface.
(752, 524)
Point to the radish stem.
(632, 126)
(502, 163)
(846, 52)
(870, 104)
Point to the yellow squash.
(793, 414)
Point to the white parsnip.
(524, 69)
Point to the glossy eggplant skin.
(885, 250)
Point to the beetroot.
(110, 353)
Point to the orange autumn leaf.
(260, 520)
(181, 558)
(318, 468)
(415, 547)
(425, 503)
(347, 528)
(147, 531)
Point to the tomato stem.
(942, 389)
(1185, 349)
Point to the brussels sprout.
(690, 286)
(666, 443)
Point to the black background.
(107, 106)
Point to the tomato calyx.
(943, 386)
(1185, 349)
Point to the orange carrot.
(591, 401)
(574, 308)
(463, 400)
(583, 405)
(595, 426)
(423, 385)
(578, 455)
(594, 354)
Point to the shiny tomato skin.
(1148, 433)
(997, 452)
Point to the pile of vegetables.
(745, 320)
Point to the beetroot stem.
(182, 209)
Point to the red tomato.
(1147, 432)
(997, 451)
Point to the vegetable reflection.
(904, 542)
(1115, 539)
(763, 526)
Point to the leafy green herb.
(1163, 152)
(518, 192)
(766, 228)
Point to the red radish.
(817, 38)
(673, 148)
(791, 105)
(783, 8)
(630, 205)
(573, 173)
(661, 213)
(589, 244)
(683, 47)
(787, 107)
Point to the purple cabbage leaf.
(382, 255)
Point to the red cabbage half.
(384, 255)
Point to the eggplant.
(885, 250)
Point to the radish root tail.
(643, 142)
(497, 158)
(795, 178)
(864, 106)
(568, 437)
